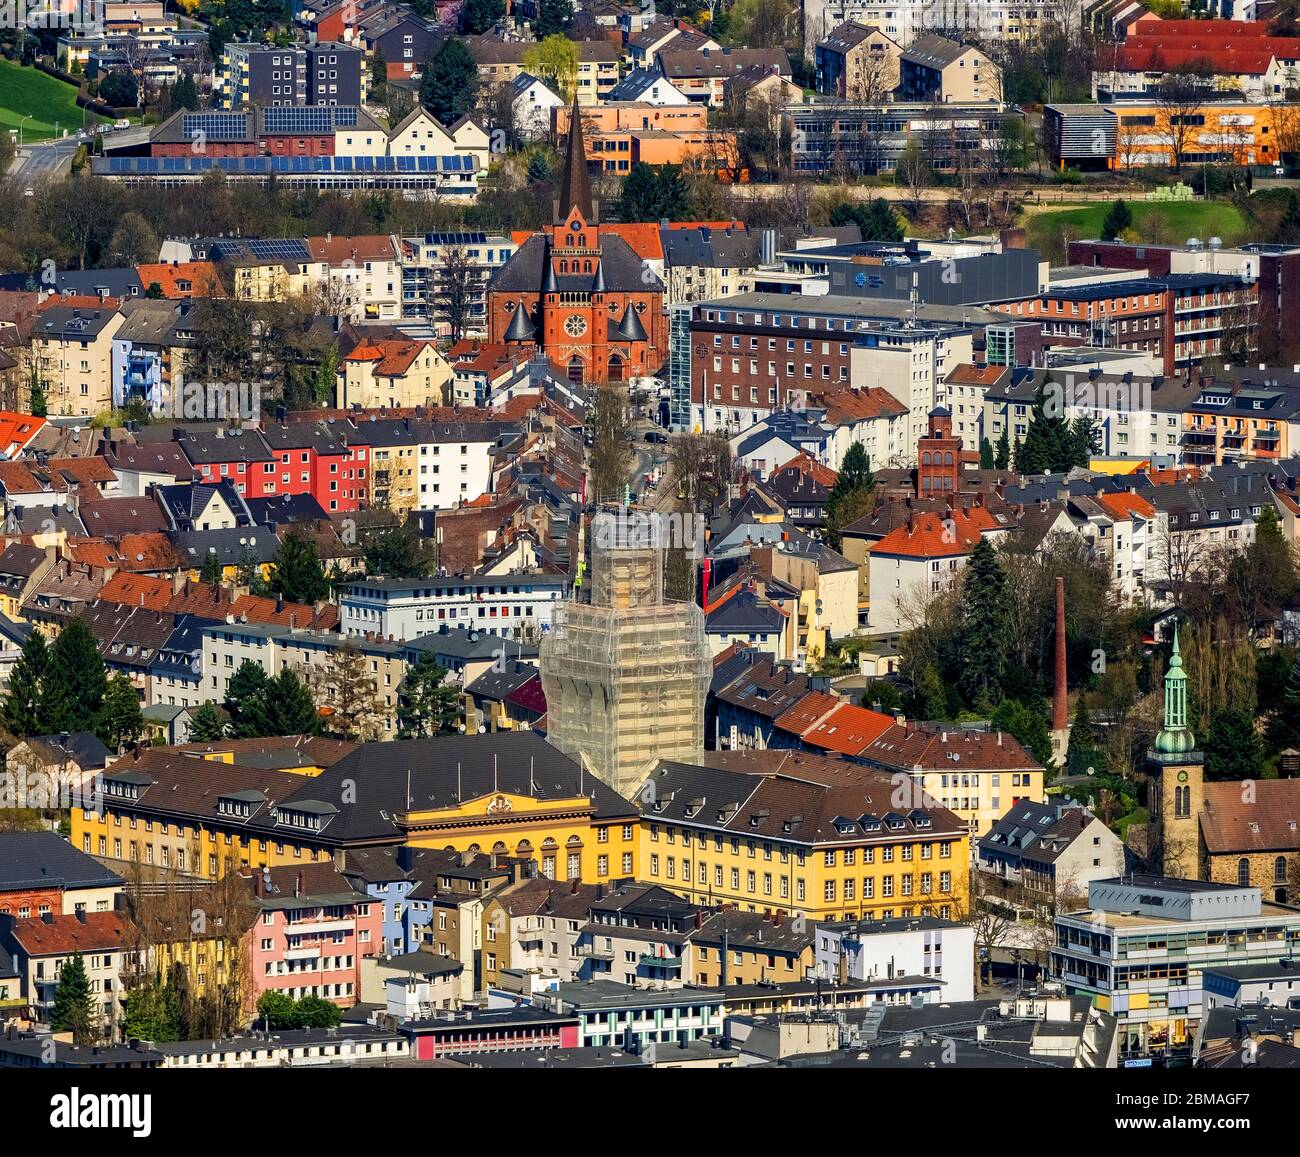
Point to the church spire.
(1174, 737)
(575, 190)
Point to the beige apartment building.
(72, 352)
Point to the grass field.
(1157, 222)
(25, 92)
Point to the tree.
(151, 1013)
(276, 1011)
(1002, 459)
(399, 552)
(554, 60)
(875, 218)
(298, 574)
(1180, 103)
(758, 23)
(479, 16)
(853, 484)
(610, 434)
(653, 193)
(450, 82)
(73, 1009)
(36, 392)
(207, 723)
(929, 700)
(133, 242)
(553, 18)
(316, 1012)
(986, 454)
(1117, 220)
(426, 703)
(1083, 756)
(245, 691)
(1027, 725)
(119, 89)
(983, 628)
(378, 76)
(1288, 226)
(212, 571)
(701, 467)
(912, 172)
(76, 681)
(1051, 444)
(24, 707)
(456, 283)
(185, 94)
(286, 707)
(350, 693)
(539, 168)
(120, 718)
(1233, 747)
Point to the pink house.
(311, 932)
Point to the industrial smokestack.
(1060, 714)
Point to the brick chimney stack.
(1060, 714)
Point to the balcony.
(303, 953)
(649, 960)
(591, 952)
(310, 927)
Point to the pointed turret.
(1175, 738)
(630, 327)
(598, 283)
(521, 328)
(575, 190)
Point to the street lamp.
(20, 128)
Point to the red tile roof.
(849, 730)
(1271, 823)
(182, 279)
(805, 463)
(1124, 505)
(67, 935)
(807, 713)
(16, 430)
(337, 250)
(928, 535)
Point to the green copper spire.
(1174, 738)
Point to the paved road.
(45, 161)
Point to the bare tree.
(457, 278)
(1180, 109)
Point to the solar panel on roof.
(345, 116)
(215, 126)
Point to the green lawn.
(1154, 221)
(25, 91)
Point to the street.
(43, 161)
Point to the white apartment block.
(510, 606)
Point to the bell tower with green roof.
(1177, 772)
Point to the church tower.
(1177, 787)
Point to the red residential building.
(314, 459)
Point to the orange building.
(619, 135)
(579, 293)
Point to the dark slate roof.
(213, 446)
(229, 545)
(531, 268)
(1035, 831)
(745, 612)
(495, 684)
(317, 436)
(176, 656)
(462, 643)
(84, 747)
(286, 509)
(479, 764)
(630, 327)
(710, 248)
(21, 560)
(44, 859)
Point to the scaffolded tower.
(625, 675)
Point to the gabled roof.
(1230, 825)
(848, 729)
(47, 860)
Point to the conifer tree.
(76, 681)
(24, 706)
(73, 1009)
(983, 627)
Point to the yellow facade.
(208, 851)
(875, 879)
(1233, 436)
(563, 836)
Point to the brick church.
(579, 293)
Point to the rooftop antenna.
(531, 789)
(408, 789)
(494, 771)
